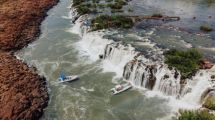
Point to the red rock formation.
(20, 21)
(205, 64)
(23, 93)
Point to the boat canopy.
(62, 76)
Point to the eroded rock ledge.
(20, 21)
(23, 93)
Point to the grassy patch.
(84, 9)
(77, 2)
(209, 102)
(206, 28)
(195, 115)
(92, 6)
(184, 61)
(159, 15)
(106, 21)
(118, 4)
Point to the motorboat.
(64, 78)
(120, 88)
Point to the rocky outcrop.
(23, 93)
(20, 21)
(205, 64)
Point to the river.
(89, 98)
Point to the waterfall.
(198, 84)
(79, 27)
(154, 76)
(116, 56)
(144, 71)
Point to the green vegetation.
(209, 102)
(157, 15)
(109, 0)
(195, 115)
(118, 4)
(84, 9)
(92, 6)
(96, 1)
(106, 21)
(77, 2)
(206, 28)
(184, 61)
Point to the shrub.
(121, 2)
(118, 4)
(77, 2)
(84, 9)
(109, 0)
(96, 1)
(115, 6)
(159, 15)
(195, 115)
(106, 21)
(206, 28)
(184, 61)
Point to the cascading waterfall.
(94, 45)
(199, 83)
(116, 56)
(154, 76)
(142, 72)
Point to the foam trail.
(93, 45)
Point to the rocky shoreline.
(23, 93)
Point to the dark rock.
(101, 56)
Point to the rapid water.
(88, 98)
(68, 47)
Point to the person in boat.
(62, 77)
(119, 87)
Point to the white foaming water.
(142, 72)
(77, 27)
(154, 76)
(116, 56)
(198, 84)
(93, 45)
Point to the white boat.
(69, 78)
(64, 78)
(120, 88)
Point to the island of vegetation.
(187, 62)
(95, 6)
(195, 115)
(106, 21)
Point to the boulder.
(205, 64)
